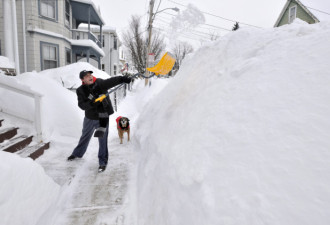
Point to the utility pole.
(151, 14)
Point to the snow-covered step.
(16, 144)
(34, 151)
(7, 133)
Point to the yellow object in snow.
(164, 66)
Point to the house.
(44, 34)
(295, 9)
(110, 63)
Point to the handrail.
(90, 36)
(37, 109)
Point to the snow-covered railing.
(85, 35)
(37, 109)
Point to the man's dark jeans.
(89, 127)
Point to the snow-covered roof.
(96, 29)
(88, 43)
(90, 2)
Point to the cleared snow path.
(89, 197)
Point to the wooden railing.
(37, 109)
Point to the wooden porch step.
(7, 133)
(9, 71)
(34, 151)
(16, 144)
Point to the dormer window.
(292, 13)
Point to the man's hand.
(100, 99)
(93, 101)
(126, 79)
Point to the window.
(49, 56)
(67, 13)
(114, 70)
(115, 43)
(99, 37)
(103, 67)
(292, 13)
(48, 8)
(67, 56)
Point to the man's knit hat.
(84, 73)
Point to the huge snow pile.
(26, 192)
(241, 135)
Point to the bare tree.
(136, 44)
(236, 26)
(180, 51)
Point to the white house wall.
(1, 29)
(111, 57)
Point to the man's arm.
(113, 81)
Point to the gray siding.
(34, 21)
(301, 14)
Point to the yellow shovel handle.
(100, 99)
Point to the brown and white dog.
(122, 127)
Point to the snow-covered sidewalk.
(89, 197)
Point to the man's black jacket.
(96, 89)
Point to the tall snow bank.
(68, 76)
(241, 135)
(26, 192)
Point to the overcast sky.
(260, 13)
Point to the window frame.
(55, 18)
(42, 57)
(115, 43)
(67, 23)
(68, 50)
(114, 69)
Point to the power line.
(189, 30)
(218, 16)
(205, 24)
(184, 35)
(209, 25)
(318, 10)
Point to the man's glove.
(92, 100)
(126, 79)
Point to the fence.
(118, 93)
(37, 107)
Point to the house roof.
(301, 5)
(80, 11)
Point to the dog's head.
(124, 122)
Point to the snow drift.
(25, 189)
(241, 135)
